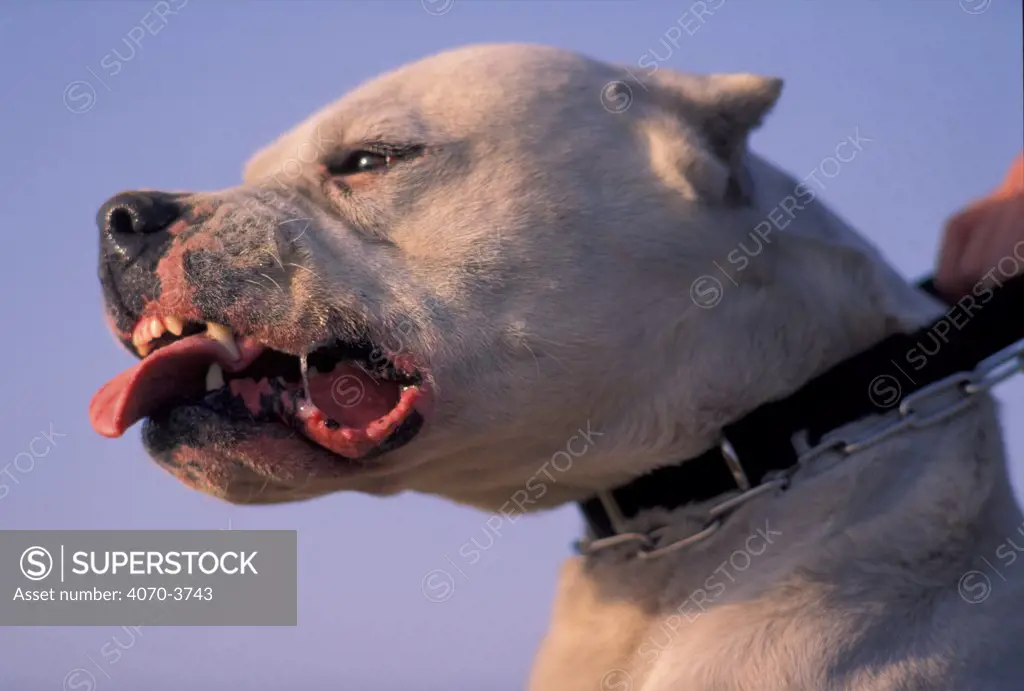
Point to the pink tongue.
(170, 373)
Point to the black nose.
(131, 221)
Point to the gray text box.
(148, 577)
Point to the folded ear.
(722, 109)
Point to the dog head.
(486, 261)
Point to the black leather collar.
(871, 382)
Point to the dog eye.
(361, 161)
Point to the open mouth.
(350, 398)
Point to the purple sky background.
(935, 84)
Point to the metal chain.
(910, 414)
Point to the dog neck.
(872, 520)
(761, 451)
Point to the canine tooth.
(140, 339)
(224, 335)
(156, 327)
(174, 325)
(304, 368)
(214, 377)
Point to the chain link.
(912, 413)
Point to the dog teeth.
(304, 369)
(152, 328)
(214, 377)
(174, 325)
(141, 338)
(225, 337)
(156, 328)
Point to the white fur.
(544, 253)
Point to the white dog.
(496, 250)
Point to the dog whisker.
(271, 250)
(305, 268)
(273, 281)
(536, 362)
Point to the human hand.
(985, 237)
